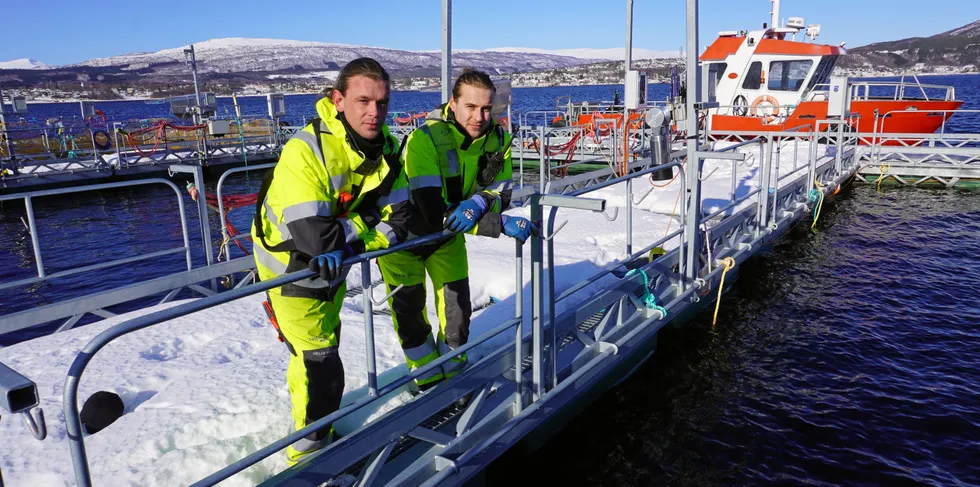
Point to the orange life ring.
(756, 111)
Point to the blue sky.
(72, 31)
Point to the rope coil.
(648, 298)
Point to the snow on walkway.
(209, 388)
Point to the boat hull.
(891, 117)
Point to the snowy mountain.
(611, 54)
(24, 63)
(240, 55)
(957, 50)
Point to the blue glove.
(328, 265)
(518, 227)
(465, 216)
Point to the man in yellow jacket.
(324, 202)
(459, 172)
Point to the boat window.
(717, 70)
(822, 75)
(788, 75)
(753, 80)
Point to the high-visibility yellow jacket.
(444, 165)
(318, 201)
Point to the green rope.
(648, 298)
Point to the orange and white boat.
(765, 80)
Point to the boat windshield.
(822, 75)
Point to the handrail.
(225, 239)
(685, 288)
(32, 227)
(73, 421)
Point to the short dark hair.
(362, 66)
(476, 78)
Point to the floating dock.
(557, 346)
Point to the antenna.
(775, 14)
(189, 58)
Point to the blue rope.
(815, 195)
(648, 298)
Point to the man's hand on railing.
(464, 217)
(328, 265)
(518, 227)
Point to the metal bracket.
(379, 302)
(705, 178)
(556, 231)
(645, 195)
(614, 216)
(35, 422)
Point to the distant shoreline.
(77, 100)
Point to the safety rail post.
(537, 306)
(543, 331)
(543, 143)
(35, 243)
(521, 154)
(774, 164)
(202, 209)
(519, 334)
(629, 215)
(766, 174)
(694, 162)
(369, 352)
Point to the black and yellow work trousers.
(315, 375)
(447, 268)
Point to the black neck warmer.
(372, 149)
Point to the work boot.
(419, 389)
(304, 447)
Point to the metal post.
(519, 314)
(694, 162)
(369, 328)
(840, 147)
(32, 226)
(537, 293)
(766, 174)
(3, 123)
(115, 135)
(629, 216)
(552, 336)
(523, 147)
(629, 37)
(202, 208)
(197, 91)
(447, 48)
(541, 151)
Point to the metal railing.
(226, 239)
(42, 273)
(546, 381)
(863, 90)
(247, 138)
(73, 421)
